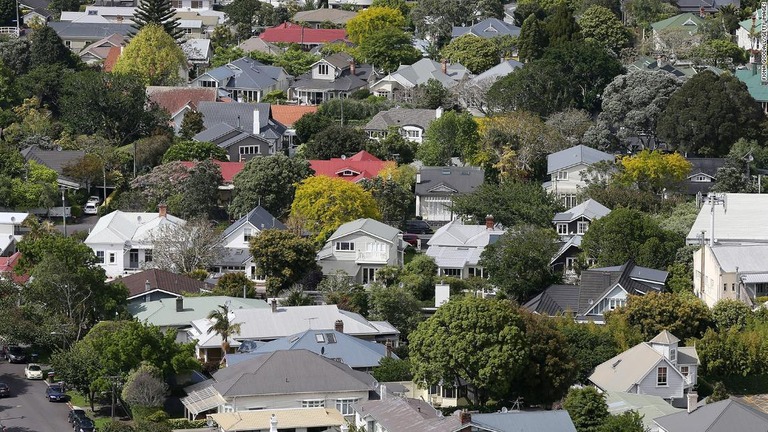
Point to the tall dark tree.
(157, 12)
(201, 191)
(269, 182)
(191, 125)
(335, 141)
(15, 55)
(48, 49)
(533, 39)
(8, 12)
(561, 26)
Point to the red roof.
(355, 168)
(8, 263)
(228, 169)
(163, 280)
(111, 59)
(288, 114)
(173, 99)
(294, 33)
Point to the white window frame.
(369, 274)
(249, 150)
(344, 406)
(450, 272)
(562, 175)
(685, 371)
(111, 257)
(323, 69)
(100, 257)
(570, 262)
(662, 371)
(582, 227)
(313, 403)
(562, 228)
(343, 246)
(247, 234)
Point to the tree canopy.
(600, 24)
(510, 203)
(453, 134)
(283, 257)
(388, 48)
(335, 141)
(371, 20)
(269, 182)
(158, 12)
(153, 55)
(475, 53)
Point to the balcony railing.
(372, 257)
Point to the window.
(206, 83)
(562, 175)
(570, 262)
(413, 134)
(246, 235)
(725, 287)
(582, 227)
(562, 229)
(313, 403)
(684, 371)
(453, 272)
(176, 4)
(661, 376)
(369, 274)
(111, 257)
(228, 408)
(251, 149)
(345, 246)
(733, 287)
(148, 255)
(615, 303)
(68, 44)
(322, 69)
(569, 200)
(672, 354)
(197, 4)
(319, 338)
(449, 392)
(344, 406)
(100, 257)
(476, 272)
(188, 30)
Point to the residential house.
(244, 130)
(101, 14)
(659, 367)
(748, 33)
(566, 168)
(437, 186)
(728, 415)
(235, 241)
(11, 231)
(244, 80)
(702, 176)
(571, 225)
(644, 63)
(255, 43)
(307, 38)
(197, 5)
(198, 51)
(410, 123)
(356, 353)
(703, 8)
(278, 322)
(750, 75)
(737, 272)
(650, 407)
(487, 29)
(457, 248)
(155, 284)
(599, 290)
(122, 241)
(37, 16)
(738, 219)
(97, 52)
(361, 165)
(396, 414)
(284, 419)
(685, 25)
(399, 85)
(360, 248)
(318, 18)
(287, 115)
(177, 101)
(178, 313)
(519, 421)
(332, 77)
(78, 35)
(56, 160)
(473, 91)
(7, 269)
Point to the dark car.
(411, 239)
(83, 424)
(55, 393)
(74, 414)
(5, 391)
(418, 227)
(16, 354)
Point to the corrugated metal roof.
(368, 226)
(747, 258)
(406, 415)
(462, 179)
(743, 222)
(728, 415)
(162, 313)
(648, 406)
(576, 155)
(525, 421)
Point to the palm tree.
(223, 327)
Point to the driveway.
(27, 410)
(85, 223)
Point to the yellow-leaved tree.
(154, 56)
(322, 204)
(373, 19)
(653, 171)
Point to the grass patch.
(77, 399)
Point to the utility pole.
(64, 212)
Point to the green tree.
(8, 12)
(311, 124)
(519, 262)
(283, 257)
(730, 313)
(244, 16)
(388, 48)
(322, 204)
(295, 61)
(235, 284)
(452, 134)
(371, 20)
(653, 171)
(396, 305)
(201, 191)
(642, 13)
(15, 54)
(223, 327)
(161, 184)
(628, 421)
(533, 39)
(561, 26)
(392, 369)
(683, 315)
(153, 55)
(38, 188)
(436, 18)
(158, 12)
(510, 203)
(48, 49)
(335, 141)
(720, 53)
(475, 53)
(296, 296)
(145, 388)
(191, 125)
(719, 393)
(479, 341)
(186, 248)
(587, 409)
(709, 124)
(601, 25)
(194, 151)
(394, 201)
(418, 276)
(269, 182)
(589, 344)
(393, 147)
(433, 95)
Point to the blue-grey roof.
(69, 29)
(240, 115)
(352, 351)
(214, 132)
(400, 117)
(425, 69)
(488, 28)
(575, 155)
(259, 217)
(524, 421)
(460, 179)
(555, 300)
(728, 415)
(499, 71)
(246, 73)
(589, 209)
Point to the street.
(27, 409)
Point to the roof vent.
(343, 157)
(446, 171)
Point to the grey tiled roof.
(425, 69)
(68, 29)
(240, 116)
(401, 117)
(500, 70)
(533, 421)
(246, 73)
(728, 415)
(344, 82)
(589, 209)
(576, 155)
(488, 28)
(460, 179)
(407, 415)
(259, 217)
(555, 300)
(53, 159)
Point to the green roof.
(747, 23)
(649, 406)
(162, 313)
(682, 21)
(751, 78)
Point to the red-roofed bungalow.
(304, 36)
(362, 165)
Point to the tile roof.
(589, 209)
(7, 265)
(289, 114)
(239, 115)
(555, 300)
(362, 165)
(524, 421)
(295, 418)
(383, 120)
(711, 6)
(102, 47)
(499, 71)
(406, 415)
(488, 28)
(743, 222)
(174, 99)
(336, 16)
(293, 33)
(53, 159)
(259, 218)
(228, 169)
(162, 313)
(724, 416)
(346, 81)
(161, 280)
(459, 179)
(576, 155)
(112, 56)
(424, 70)
(246, 73)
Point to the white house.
(410, 123)
(360, 248)
(244, 80)
(122, 241)
(398, 85)
(10, 231)
(737, 272)
(437, 186)
(748, 33)
(565, 169)
(456, 247)
(738, 219)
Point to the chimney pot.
(273, 424)
(693, 398)
(418, 178)
(179, 304)
(352, 67)
(256, 122)
(489, 223)
(339, 326)
(274, 305)
(383, 391)
(444, 66)
(162, 210)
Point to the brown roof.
(112, 56)
(173, 99)
(288, 114)
(162, 280)
(102, 47)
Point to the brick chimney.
(489, 223)
(352, 67)
(274, 305)
(465, 417)
(163, 210)
(692, 398)
(339, 326)
(389, 348)
(444, 66)
(179, 304)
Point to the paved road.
(84, 223)
(27, 410)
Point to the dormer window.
(348, 173)
(247, 235)
(322, 69)
(562, 229)
(582, 227)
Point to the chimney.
(438, 112)
(163, 210)
(693, 398)
(444, 66)
(465, 417)
(388, 344)
(273, 424)
(352, 67)
(179, 304)
(339, 326)
(383, 391)
(489, 224)
(274, 305)
(256, 124)
(418, 177)
(147, 286)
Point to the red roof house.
(228, 170)
(289, 114)
(293, 33)
(6, 268)
(362, 165)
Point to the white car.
(94, 199)
(91, 208)
(33, 371)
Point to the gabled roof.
(239, 115)
(162, 313)
(400, 117)
(246, 73)
(293, 33)
(343, 79)
(708, 166)
(748, 23)
(487, 28)
(573, 156)
(336, 16)
(289, 114)
(259, 218)
(197, 49)
(162, 280)
(364, 164)
(119, 227)
(648, 406)
(555, 300)
(455, 245)
(368, 226)
(724, 416)
(424, 70)
(13, 218)
(406, 415)
(524, 421)
(499, 71)
(70, 30)
(589, 209)
(462, 180)
(625, 370)
(174, 99)
(709, 6)
(688, 21)
(254, 43)
(289, 372)
(100, 49)
(53, 159)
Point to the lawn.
(79, 400)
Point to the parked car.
(55, 393)
(94, 199)
(16, 354)
(91, 208)
(33, 371)
(75, 413)
(83, 424)
(5, 390)
(418, 227)
(411, 239)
